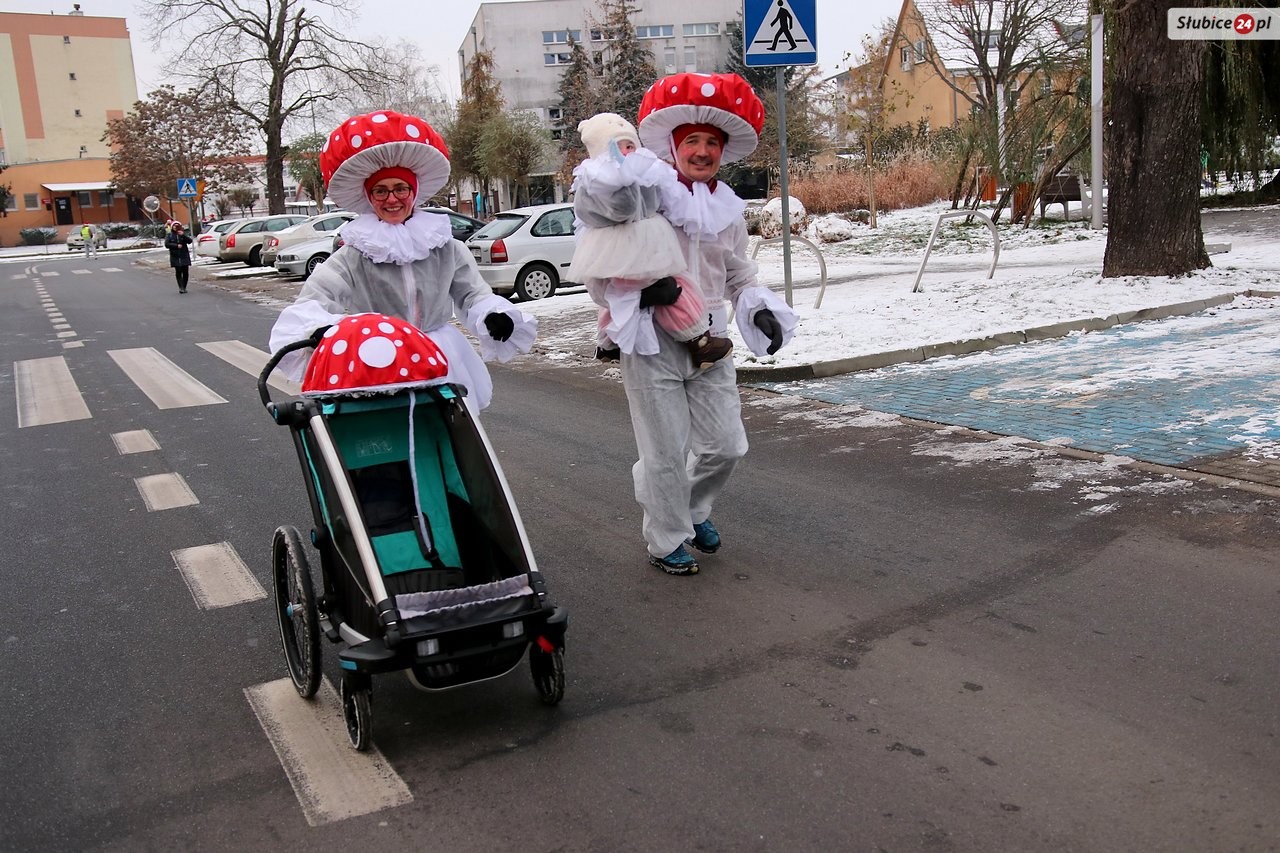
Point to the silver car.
(525, 250)
(303, 258)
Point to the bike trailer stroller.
(424, 562)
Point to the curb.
(1052, 331)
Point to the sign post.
(780, 33)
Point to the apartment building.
(62, 78)
(530, 46)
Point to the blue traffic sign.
(779, 32)
(187, 188)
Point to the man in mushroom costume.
(401, 261)
(687, 421)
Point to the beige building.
(62, 78)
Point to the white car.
(525, 250)
(206, 244)
(324, 225)
(303, 258)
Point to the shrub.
(909, 181)
(41, 236)
(154, 230)
(120, 230)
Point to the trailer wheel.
(357, 713)
(548, 673)
(296, 610)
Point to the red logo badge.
(1243, 25)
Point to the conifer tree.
(628, 66)
(481, 103)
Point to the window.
(669, 60)
(990, 40)
(66, 39)
(554, 223)
(904, 54)
(1046, 85)
(557, 59)
(72, 75)
(85, 198)
(560, 36)
(77, 114)
(106, 198)
(690, 58)
(11, 203)
(711, 29)
(554, 113)
(597, 35)
(656, 32)
(921, 50)
(557, 133)
(31, 201)
(597, 62)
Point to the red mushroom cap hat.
(723, 100)
(373, 353)
(367, 143)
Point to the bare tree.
(514, 145)
(271, 62)
(172, 135)
(415, 90)
(867, 105)
(1153, 146)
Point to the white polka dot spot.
(416, 358)
(738, 101)
(366, 331)
(331, 331)
(675, 89)
(368, 133)
(377, 352)
(386, 327)
(378, 118)
(351, 367)
(339, 347)
(356, 141)
(333, 380)
(412, 131)
(399, 343)
(404, 371)
(708, 89)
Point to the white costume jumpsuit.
(688, 421)
(416, 271)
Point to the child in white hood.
(625, 246)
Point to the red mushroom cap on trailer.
(363, 144)
(723, 100)
(373, 353)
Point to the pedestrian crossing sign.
(187, 188)
(779, 32)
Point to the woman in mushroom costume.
(688, 422)
(399, 260)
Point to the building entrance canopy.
(85, 186)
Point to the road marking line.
(251, 360)
(165, 491)
(49, 274)
(66, 334)
(18, 275)
(168, 386)
(111, 269)
(62, 325)
(80, 272)
(135, 441)
(47, 392)
(216, 576)
(72, 344)
(330, 779)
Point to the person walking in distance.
(178, 242)
(688, 420)
(90, 241)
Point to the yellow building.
(62, 78)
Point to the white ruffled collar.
(702, 213)
(382, 242)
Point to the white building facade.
(529, 42)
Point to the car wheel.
(536, 281)
(313, 262)
(255, 256)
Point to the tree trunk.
(1153, 148)
(275, 168)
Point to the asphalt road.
(908, 642)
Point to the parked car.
(207, 244)
(303, 258)
(324, 225)
(463, 226)
(243, 241)
(75, 243)
(525, 250)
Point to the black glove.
(664, 291)
(612, 354)
(500, 326)
(767, 323)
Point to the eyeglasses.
(380, 193)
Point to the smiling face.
(698, 156)
(396, 202)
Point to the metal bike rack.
(822, 263)
(955, 214)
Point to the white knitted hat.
(602, 127)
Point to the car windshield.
(501, 227)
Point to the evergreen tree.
(628, 68)
(578, 99)
(480, 104)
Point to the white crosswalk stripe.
(49, 274)
(165, 491)
(168, 386)
(251, 360)
(111, 269)
(81, 272)
(47, 393)
(331, 780)
(216, 576)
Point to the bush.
(42, 236)
(120, 230)
(154, 230)
(909, 181)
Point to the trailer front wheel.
(296, 610)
